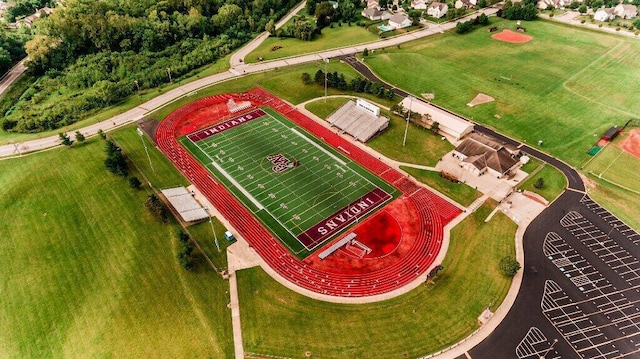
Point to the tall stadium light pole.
(145, 148)
(406, 128)
(215, 236)
(326, 61)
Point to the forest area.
(88, 54)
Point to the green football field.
(301, 189)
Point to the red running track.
(433, 211)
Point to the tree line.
(524, 10)
(338, 81)
(91, 54)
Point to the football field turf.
(300, 188)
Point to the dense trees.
(525, 10)
(358, 84)
(115, 161)
(91, 54)
(12, 48)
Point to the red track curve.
(433, 211)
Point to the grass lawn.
(531, 166)
(617, 166)
(87, 272)
(220, 65)
(277, 321)
(323, 109)
(554, 183)
(339, 36)
(624, 204)
(539, 95)
(458, 192)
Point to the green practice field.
(564, 86)
(304, 191)
(614, 165)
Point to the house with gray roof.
(480, 154)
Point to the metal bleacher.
(337, 245)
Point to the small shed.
(611, 133)
(229, 236)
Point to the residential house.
(626, 11)
(556, 4)
(373, 4)
(375, 14)
(399, 21)
(604, 14)
(465, 3)
(437, 10)
(4, 6)
(419, 4)
(480, 154)
(29, 20)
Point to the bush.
(551, 15)
(134, 183)
(509, 266)
(155, 206)
(583, 21)
(600, 25)
(637, 32)
(539, 183)
(617, 28)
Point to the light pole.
(548, 350)
(326, 61)
(406, 128)
(609, 234)
(137, 84)
(215, 236)
(145, 148)
(169, 72)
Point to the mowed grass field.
(277, 321)
(554, 183)
(544, 90)
(86, 272)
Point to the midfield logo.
(281, 163)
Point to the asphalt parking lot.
(580, 296)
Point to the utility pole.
(145, 148)
(169, 72)
(326, 61)
(406, 129)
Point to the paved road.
(12, 76)
(138, 112)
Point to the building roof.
(371, 12)
(398, 18)
(609, 10)
(415, 3)
(626, 7)
(483, 152)
(184, 203)
(438, 5)
(449, 123)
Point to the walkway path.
(12, 76)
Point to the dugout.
(611, 133)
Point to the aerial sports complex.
(323, 213)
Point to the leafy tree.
(509, 266)
(318, 78)
(79, 137)
(155, 206)
(323, 14)
(365, 52)
(302, 29)
(306, 78)
(115, 161)
(435, 127)
(134, 183)
(65, 139)
(270, 27)
(539, 183)
(636, 23)
(582, 9)
(102, 134)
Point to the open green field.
(459, 192)
(277, 321)
(616, 166)
(88, 273)
(423, 147)
(624, 204)
(287, 179)
(331, 38)
(554, 183)
(539, 94)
